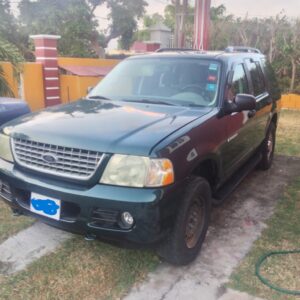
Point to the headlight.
(5, 151)
(138, 171)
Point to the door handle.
(251, 113)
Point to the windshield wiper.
(98, 97)
(148, 101)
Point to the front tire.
(268, 148)
(192, 221)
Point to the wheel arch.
(208, 168)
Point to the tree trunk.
(182, 29)
(177, 23)
(294, 71)
(271, 51)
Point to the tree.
(289, 49)
(75, 21)
(123, 14)
(69, 18)
(169, 16)
(9, 53)
(128, 37)
(10, 29)
(148, 22)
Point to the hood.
(105, 126)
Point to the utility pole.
(201, 27)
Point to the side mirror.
(89, 89)
(245, 102)
(242, 102)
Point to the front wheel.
(192, 221)
(268, 148)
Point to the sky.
(242, 7)
(265, 8)
(239, 8)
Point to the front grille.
(5, 191)
(65, 161)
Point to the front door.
(239, 125)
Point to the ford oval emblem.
(49, 158)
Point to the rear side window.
(257, 77)
(239, 82)
(273, 86)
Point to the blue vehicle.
(11, 108)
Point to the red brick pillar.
(46, 54)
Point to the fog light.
(127, 219)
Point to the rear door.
(263, 102)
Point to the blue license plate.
(45, 206)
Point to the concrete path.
(28, 245)
(235, 226)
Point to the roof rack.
(174, 49)
(231, 49)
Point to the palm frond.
(9, 53)
(5, 89)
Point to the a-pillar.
(46, 54)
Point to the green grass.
(80, 270)
(10, 225)
(283, 229)
(283, 233)
(288, 133)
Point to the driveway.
(234, 228)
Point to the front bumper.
(152, 209)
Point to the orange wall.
(70, 61)
(33, 85)
(75, 87)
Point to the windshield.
(180, 81)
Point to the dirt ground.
(234, 228)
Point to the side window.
(272, 82)
(239, 83)
(257, 77)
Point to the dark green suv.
(146, 154)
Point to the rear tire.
(184, 242)
(268, 148)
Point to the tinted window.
(179, 81)
(274, 89)
(257, 77)
(239, 82)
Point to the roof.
(222, 55)
(92, 71)
(160, 27)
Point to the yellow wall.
(33, 85)
(74, 87)
(10, 78)
(290, 101)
